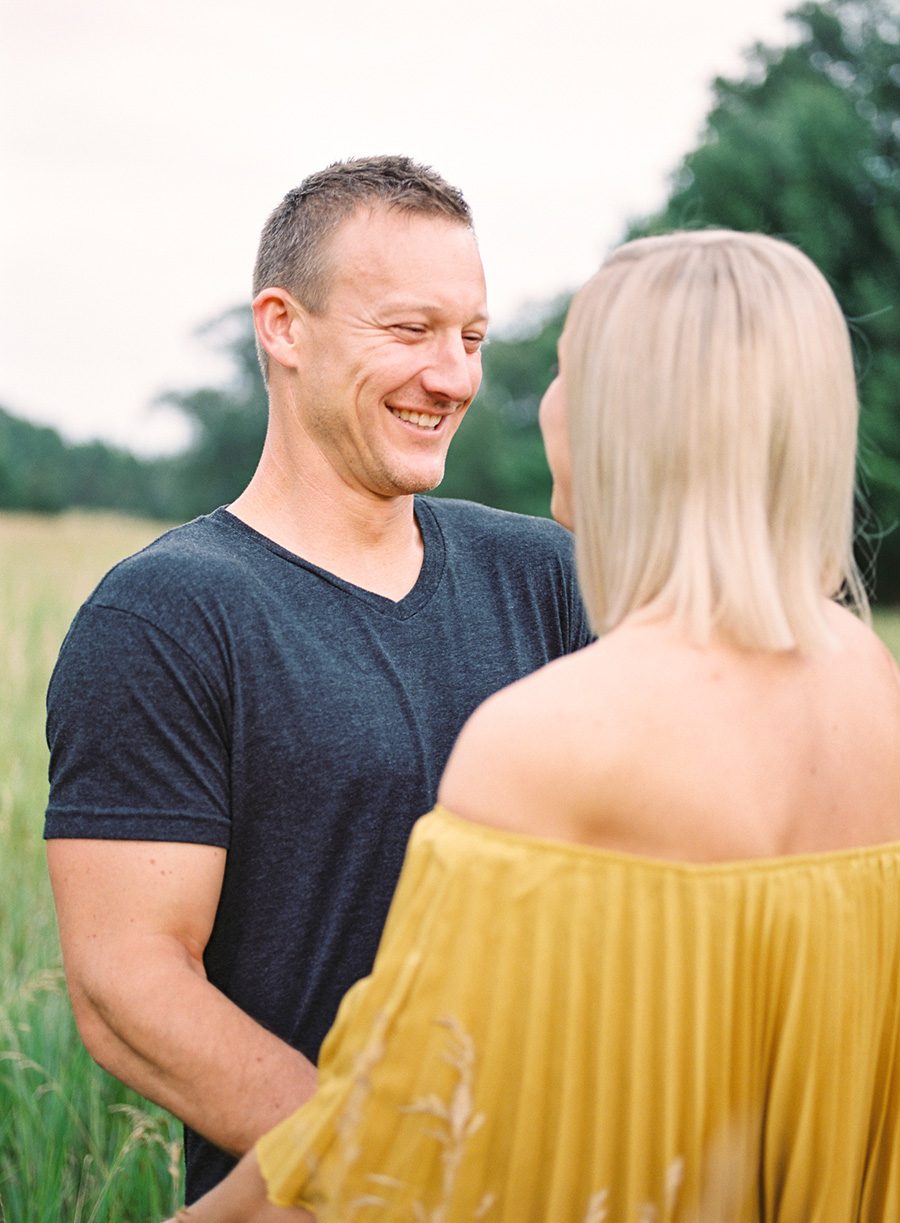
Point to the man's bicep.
(128, 894)
(139, 736)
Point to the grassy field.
(75, 1146)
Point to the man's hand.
(134, 919)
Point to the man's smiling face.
(393, 362)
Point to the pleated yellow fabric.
(556, 1033)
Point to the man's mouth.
(423, 420)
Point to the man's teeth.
(425, 420)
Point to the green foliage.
(807, 147)
(42, 473)
(498, 457)
(228, 424)
(887, 626)
(31, 458)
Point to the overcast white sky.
(145, 141)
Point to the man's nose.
(453, 373)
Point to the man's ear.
(277, 317)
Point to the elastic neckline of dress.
(600, 853)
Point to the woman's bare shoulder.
(861, 640)
(523, 753)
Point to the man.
(248, 716)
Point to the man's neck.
(373, 542)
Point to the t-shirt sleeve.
(580, 632)
(138, 736)
(579, 628)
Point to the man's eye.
(473, 341)
(410, 328)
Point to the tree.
(498, 457)
(41, 473)
(32, 462)
(806, 146)
(228, 424)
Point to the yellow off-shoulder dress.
(554, 1033)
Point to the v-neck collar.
(433, 562)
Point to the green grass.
(75, 1145)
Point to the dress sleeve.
(138, 735)
(287, 1156)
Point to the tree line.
(805, 145)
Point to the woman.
(644, 958)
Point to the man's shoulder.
(506, 531)
(498, 558)
(185, 562)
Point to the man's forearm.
(173, 1037)
(241, 1198)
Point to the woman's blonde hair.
(712, 415)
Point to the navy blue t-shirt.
(217, 689)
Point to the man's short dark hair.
(292, 251)
(292, 245)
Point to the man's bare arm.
(241, 1198)
(134, 919)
